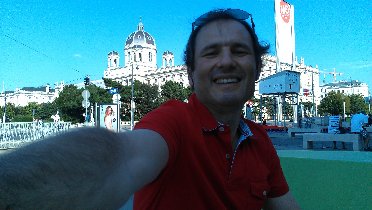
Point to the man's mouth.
(226, 80)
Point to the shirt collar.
(210, 124)
(204, 116)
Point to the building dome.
(140, 48)
(140, 37)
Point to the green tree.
(45, 111)
(10, 111)
(270, 104)
(146, 98)
(98, 95)
(69, 104)
(288, 111)
(255, 107)
(357, 104)
(25, 114)
(307, 106)
(109, 83)
(332, 104)
(174, 90)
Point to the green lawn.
(329, 184)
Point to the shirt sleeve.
(164, 121)
(277, 181)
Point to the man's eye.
(240, 52)
(210, 53)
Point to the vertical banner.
(108, 117)
(285, 34)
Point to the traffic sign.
(116, 98)
(113, 91)
(85, 94)
(85, 103)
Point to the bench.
(309, 138)
(292, 131)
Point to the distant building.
(345, 87)
(26, 95)
(140, 59)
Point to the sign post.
(85, 103)
(115, 94)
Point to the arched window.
(150, 56)
(140, 56)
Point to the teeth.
(227, 80)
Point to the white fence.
(14, 135)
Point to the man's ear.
(191, 80)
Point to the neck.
(230, 118)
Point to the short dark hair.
(189, 52)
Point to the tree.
(307, 106)
(69, 104)
(45, 111)
(10, 112)
(174, 90)
(109, 83)
(357, 104)
(255, 107)
(25, 114)
(146, 98)
(98, 95)
(270, 104)
(332, 104)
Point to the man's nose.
(226, 58)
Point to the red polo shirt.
(203, 171)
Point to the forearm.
(75, 170)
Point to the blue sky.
(49, 41)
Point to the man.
(196, 155)
(358, 121)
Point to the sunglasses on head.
(237, 14)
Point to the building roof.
(140, 37)
(344, 84)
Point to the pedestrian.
(358, 122)
(209, 158)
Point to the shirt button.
(221, 129)
(227, 156)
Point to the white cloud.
(357, 64)
(77, 55)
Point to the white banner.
(285, 34)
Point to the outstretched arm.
(284, 202)
(85, 169)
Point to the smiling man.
(217, 159)
(197, 155)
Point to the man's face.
(225, 67)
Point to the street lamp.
(132, 101)
(312, 91)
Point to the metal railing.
(14, 135)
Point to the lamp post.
(132, 102)
(312, 90)
(4, 115)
